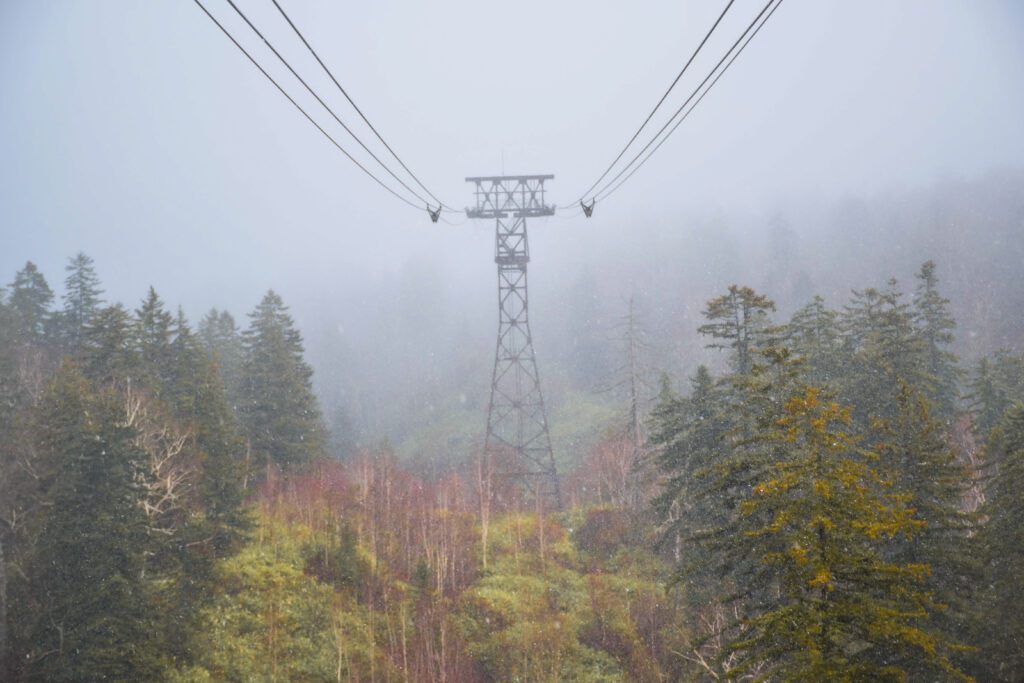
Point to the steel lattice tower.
(516, 420)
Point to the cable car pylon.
(516, 419)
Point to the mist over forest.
(412, 368)
(278, 405)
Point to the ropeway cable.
(656, 107)
(322, 103)
(694, 106)
(356, 107)
(707, 78)
(301, 110)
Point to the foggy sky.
(137, 132)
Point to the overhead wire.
(356, 107)
(636, 168)
(603, 193)
(656, 106)
(303, 111)
(448, 222)
(321, 101)
(675, 115)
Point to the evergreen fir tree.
(994, 385)
(813, 335)
(722, 460)
(817, 521)
(987, 401)
(30, 300)
(925, 468)
(154, 325)
(1002, 658)
(81, 300)
(738, 320)
(108, 348)
(198, 397)
(748, 405)
(8, 404)
(223, 342)
(885, 351)
(935, 325)
(689, 435)
(24, 477)
(95, 622)
(10, 390)
(861, 318)
(218, 521)
(280, 410)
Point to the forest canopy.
(840, 502)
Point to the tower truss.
(516, 419)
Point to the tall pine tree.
(925, 468)
(30, 300)
(223, 342)
(813, 334)
(818, 519)
(935, 325)
(108, 350)
(281, 413)
(1002, 658)
(154, 334)
(94, 621)
(995, 384)
(886, 352)
(198, 397)
(81, 300)
(738, 320)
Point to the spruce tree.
(108, 349)
(223, 342)
(8, 404)
(689, 436)
(198, 397)
(925, 468)
(10, 386)
(885, 350)
(81, 300)
(935, 325)
(715, 460)
(154, 332)
(994, 385)
(738, 320)
(280, 410)
(987, 401)
(818, 520)
(30, 300)
(814, 336)
(216, 523)
(1002, 657)
(94, 621)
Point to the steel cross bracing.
(516, 420)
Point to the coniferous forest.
(384, 341)
(839, 501)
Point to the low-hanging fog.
(850, 143)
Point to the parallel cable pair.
(636, 168)
(433, 212)
(632, 166)
(624, 174)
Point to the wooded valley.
(840, 502)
